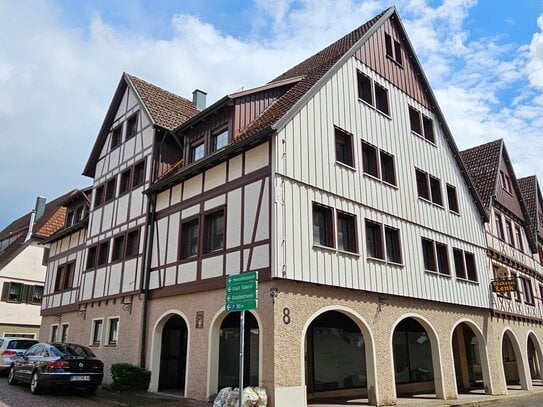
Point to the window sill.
(391, 59)
(377, 179)
(454, 213)
(324, 248)
(375, 108)
(466, 281)
(383, 261)
(110, 345)
(431, 202)
(432, 143)
(438, 274)
(348, 253)
(346, 166)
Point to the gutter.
(151, 212)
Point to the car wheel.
(91, 390)
(11, 376)
(35, 383)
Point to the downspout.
(151, 212)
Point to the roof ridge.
(131, 76)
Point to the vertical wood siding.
(306, 171)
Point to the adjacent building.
(339, 182)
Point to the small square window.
(132, 126)
(344, 147)
(189, 239)
(323, 229)
(346, 232)
(219, 140)
(214, 231)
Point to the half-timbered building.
(340, 183)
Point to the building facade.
(340, 183)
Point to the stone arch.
(482, 353)
(508, 351)
(214, 348)
(535, 361)
(439, 387)
(369, 344)
(156, 345)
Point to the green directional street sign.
(241, 292)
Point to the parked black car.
(54, 364)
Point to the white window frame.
(108, 330)
(67, 325)
(93, 327)
(51, 338)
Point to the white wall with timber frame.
(306, 171)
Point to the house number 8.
(286, 316)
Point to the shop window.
(323, 229)
(412, 353)
(346, 232)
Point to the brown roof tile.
(483, 164)
(528, 189)
(167, 109)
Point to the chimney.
(199, 99)
(40, 207)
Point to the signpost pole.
(241, 353)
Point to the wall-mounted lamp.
(273, 294)
(127, 306)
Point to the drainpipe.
(151, 212)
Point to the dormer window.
(219, 139)
(196, 151)
(132, 126)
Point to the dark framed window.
(381, 99)
(110, 189)
(393, 246)
(344, 147)
(452, 199)
(117, 252)
(388, 46)
(69, 219)
(464, 265)
(517, 292)
(219, 139)
(421, 125)
(91, 256)
(374, 240)
(214, 231)
(398, 52)
(13, 292)
(78, 213)
(116, 136)
(506, 183)
(428, 255)
(189, 238)
(103, 253)
(364, 88)
(132, 126)
(346, 232)
(393, 49)
(65, 276)
(527, 290)
(518, 239)
(98, 196)
(138, 175)
(423, 185)
(37, 294)
(53, 337)
(388, 171)
(442, 259)
(196, 151)
(124, 184)
(435, 188)
(323, 226)
(369, 160)
(132, 243)
(64, 333)
(509, 232)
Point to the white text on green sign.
(237, 288)
(241, 306)
(246, 296)
(242, 278)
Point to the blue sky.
(60, 61)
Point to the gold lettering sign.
(504, 286)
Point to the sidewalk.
(146, 399)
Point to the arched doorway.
(469, 360)
(335, 356)
(173, 355)
(413, 363)
(534, 359)
(229, 351)
(513, 364)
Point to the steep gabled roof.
(483, 164)
(51, 221)
(529, 189)
(165, 109)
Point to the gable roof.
(165, 109)
(51, 221)
(529, 188)
(483, 164)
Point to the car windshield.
(71, 350)
(20, 344)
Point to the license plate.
(80, 378)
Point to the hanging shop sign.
(504, 286)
